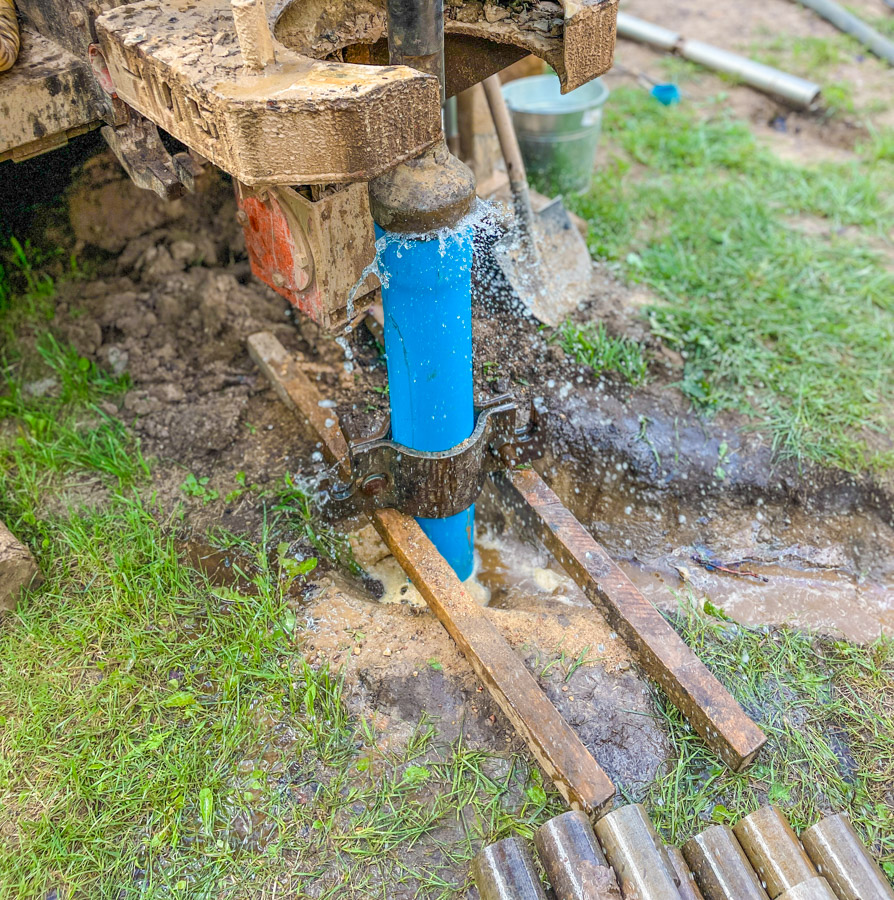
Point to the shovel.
(544, 257)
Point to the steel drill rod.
(705, 702)
(551, 740)
(842, 859)
(574, 862)
(774, 850)
(812, 889)
(686, 883)
(637, 854)
(721, 867)
(416, 36)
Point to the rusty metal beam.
(555, 745)
(708, 706)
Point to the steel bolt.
(374, 484)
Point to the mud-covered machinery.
(328, 116)
(297, 101)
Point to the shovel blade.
(552, 277)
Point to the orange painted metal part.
(315, 253)
(271, 239)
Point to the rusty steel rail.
(555, 745)
(709, 707)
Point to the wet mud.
(172, 302)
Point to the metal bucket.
(558, 134)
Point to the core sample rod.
(840, 857)
(721, 867)
(505, 871)
(636, 854)
(575, 864)
(774, 850)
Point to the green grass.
(591, 345)
(162, 736)
(791, 327)
(828, 710)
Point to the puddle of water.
(831, 572)
(515, 574)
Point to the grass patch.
(828, 711)
(791, 327)
(163, 736)
(591, 345)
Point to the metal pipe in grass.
(721, 867)
(505, 871)
(812, 889)
(9, 35)
(774, 850)
(850, 24)
(635, 29)
(840, 857)
(797, 91)
(575, 864)
(686, 883)
(637, 854)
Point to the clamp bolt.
(374, 484)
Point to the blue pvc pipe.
(426, 296)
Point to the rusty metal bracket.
(388, 475)
(138, 147)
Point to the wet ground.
(665, 491)
(674, 498)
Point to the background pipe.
(840, 857)
(850, 24)
(797, 91)
(774, 850)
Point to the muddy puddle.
(760, 563)
(831, 572)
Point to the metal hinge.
(385, 474)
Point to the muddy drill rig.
(300, 102)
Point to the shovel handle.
(515, 167)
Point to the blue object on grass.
(666, 93)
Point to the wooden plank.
(709, 707)
(300, 394)
(555, 745)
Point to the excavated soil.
(171, 302)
